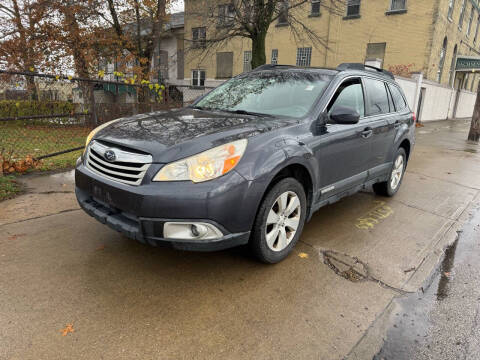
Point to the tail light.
(414, 117)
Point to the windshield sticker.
(309, 88)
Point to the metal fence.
(44, 119)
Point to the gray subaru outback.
(249, 162)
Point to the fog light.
(190, 230)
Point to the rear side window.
(350, 95)
(377, 99)
(398, 98)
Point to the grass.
(19, 141)
(8, 187)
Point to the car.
(250, 161)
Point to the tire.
(391, 186)
(268, 242)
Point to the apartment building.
(436, 37)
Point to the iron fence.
(44, 119)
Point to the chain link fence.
(44, 119)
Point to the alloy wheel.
(397, 172)
(283, 221)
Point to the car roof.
(355, 68)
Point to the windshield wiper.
(246, 112)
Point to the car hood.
(175, 134)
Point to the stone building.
(404, 35)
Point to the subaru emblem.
(109, 155)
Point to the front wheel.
(391, 186)
(279, 222)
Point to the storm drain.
(346, 266)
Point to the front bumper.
(139, 212)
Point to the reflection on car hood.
(171, 135)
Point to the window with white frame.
(315, 8)
(353, 8)
(198, 77)
(398, 5)
(451, 5)
(476, 30)
(199, 36)
(442, 60)
(304, 56)
(470, 21)
(462, 14)
(247, 60)
(274, 57)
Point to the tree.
(24, 35)
(251, 19)
(474, 133)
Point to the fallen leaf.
(68, 329)
(101, 247)
(447, 274)
(303, 255)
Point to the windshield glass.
(288, 93)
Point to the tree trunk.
(474, 134)
(258, 50)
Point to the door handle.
(397, 124)
(367, 132)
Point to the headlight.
(205, 166)
(97, 129)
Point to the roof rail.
(359, 66)
(271, 66)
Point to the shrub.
(14, 108)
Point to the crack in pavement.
(352, 272)
(447, 181)
(41, 216)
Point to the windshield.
(287, 93)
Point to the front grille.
(127, 167)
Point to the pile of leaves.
(9, 166)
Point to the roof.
(340, 68)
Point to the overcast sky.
(177, 6)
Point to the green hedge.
(13, 108)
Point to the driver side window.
(349, 94)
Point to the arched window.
(451, 4)
(442, 60)
(452, 66)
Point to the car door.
(381, 119)
(343, 151)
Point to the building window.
(442, 60)
(376, 51)
(452, 66)
(315, 8)
(274, 56)
(198, 77)
(398, 5)
(283, 13)
(353, 8)
(199, 36)
(469, 27)
(462, 14)
(226, 14)
(476, 30)
(247, 61)
(451, 5)
(304, 56)
(224, 65)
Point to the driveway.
(73, 288)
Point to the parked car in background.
(251, 161)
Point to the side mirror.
(344, 115)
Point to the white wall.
(466, 103)
(438, 102)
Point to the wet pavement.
(441, 321)
(73, 288)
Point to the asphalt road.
(73, 288)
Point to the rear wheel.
(279, 222)
(391, 186)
